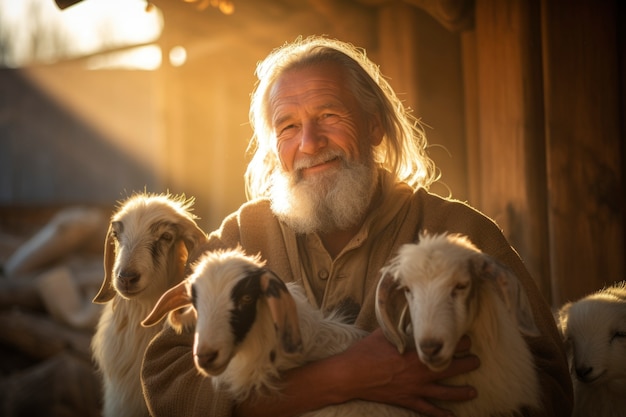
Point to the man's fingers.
(450, 393)
(428, 409)
(464, 345)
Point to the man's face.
(317, 121)
(324, 143)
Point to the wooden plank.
(508, 158)
(585, 177)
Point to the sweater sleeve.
(173, 386)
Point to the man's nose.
(312, 139)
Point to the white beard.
(333, 200)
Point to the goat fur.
(145, 253)
(594, 333)
(443, 287)
(287, 331)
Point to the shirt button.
(323, 274)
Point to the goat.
(594, 333)
(443, 287)
(145, 253)
(251, 326)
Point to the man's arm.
(372, 370)
(172, 384)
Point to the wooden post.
(585, 178)
(506, 142)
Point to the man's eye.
(329, 117)
(285, 129)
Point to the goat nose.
(128, 276)
(205, 359)
(431, 347)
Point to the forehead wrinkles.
(318, 91)
(286, 106)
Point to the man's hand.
(377, 372)
(370, 370)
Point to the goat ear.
(177, 267)
(283, 310)
(107, 292)
(172, 299)
(561, 317)
(510, 290)
(192, 235)
(392, 311)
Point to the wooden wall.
(532, 120)
(584, 143)
(507, 160)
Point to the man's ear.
(376, 130)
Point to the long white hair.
(403, 149)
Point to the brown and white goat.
(443, 287)
(145, 253)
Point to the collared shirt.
(340, 282)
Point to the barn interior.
(523, 104)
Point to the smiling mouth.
(320, 166)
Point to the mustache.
(311, 161)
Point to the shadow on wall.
(49, 156)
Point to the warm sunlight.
(37, 31)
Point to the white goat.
(434, 292)
(594, 331)
(251, 326)
(145, 253)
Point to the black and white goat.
(145, 253)
(251, 326)
(441, 288)
(594, 332)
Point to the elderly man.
(338, 181)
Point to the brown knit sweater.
(172, 385)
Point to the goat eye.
(245, 299)
(619, 335)
(459, 288)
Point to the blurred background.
(523, 103)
